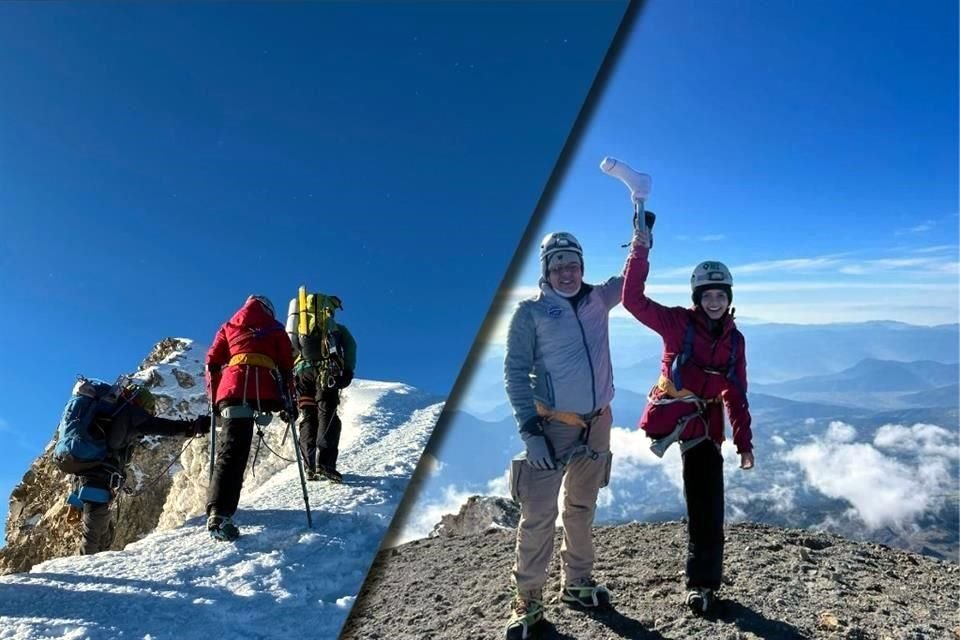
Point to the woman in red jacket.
(703, 367)
(249, 369)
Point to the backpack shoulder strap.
(685, 353)
(732, 363)
(734, 347)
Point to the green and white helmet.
(561, 246)
(711, 275)
(710, 272)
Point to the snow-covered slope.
(279, 580)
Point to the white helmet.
(555, 243)
(265, 301)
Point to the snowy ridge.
(279, 579)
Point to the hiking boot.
(330, 474)
(222, 528)
(585, 592)
(312, 475)
(701, 601)
(525, 613)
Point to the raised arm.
(611, 291)
(662, 319)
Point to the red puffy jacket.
(709, 352)
(251, 330)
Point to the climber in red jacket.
(703, 370)
(249, 372)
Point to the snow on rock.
(278, 580)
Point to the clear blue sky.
(811, 146)
(160, 162)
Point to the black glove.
(289, 416)
(649, 218)
(345, 378)
(199, 427)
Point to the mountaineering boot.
(701, 601)
(222, 528)
(330, 474)
(526, 612)
(585, 592)
(312, 475)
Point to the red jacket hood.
(252, 314)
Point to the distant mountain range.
(864, 357)
(874, 376)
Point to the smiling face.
(566, 277)
(714, 303)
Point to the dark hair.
(698, 292)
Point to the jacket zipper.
(583, 336)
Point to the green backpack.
(316, 325)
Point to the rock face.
(36, 528)
(778, 583)
(478, 514)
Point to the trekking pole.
(303, 479)
(288, 403)
(213, 437)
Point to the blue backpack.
(80, 446)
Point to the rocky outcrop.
(478, 514)
(778, 583)
(36, 527)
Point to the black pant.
(318, 419)
(703, 490)
(321, 420)
(233, 449)
(97, 529)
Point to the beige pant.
(537, 492)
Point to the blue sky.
(160, 162)
(812, 147)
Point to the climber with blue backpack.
(100, 424)
(703, 371)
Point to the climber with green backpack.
(326, 356)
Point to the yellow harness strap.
(665, 385)
(565, 417)
(254, 359)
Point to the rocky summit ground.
(778, 583)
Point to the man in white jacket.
(559, 380)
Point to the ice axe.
(638, 183)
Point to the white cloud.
(840, 432)
(778, 498)
(881, 490)
(923, 439)
(923, 227)
(810, 422)
(778, 441)
(632, 457)
(500, 486)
